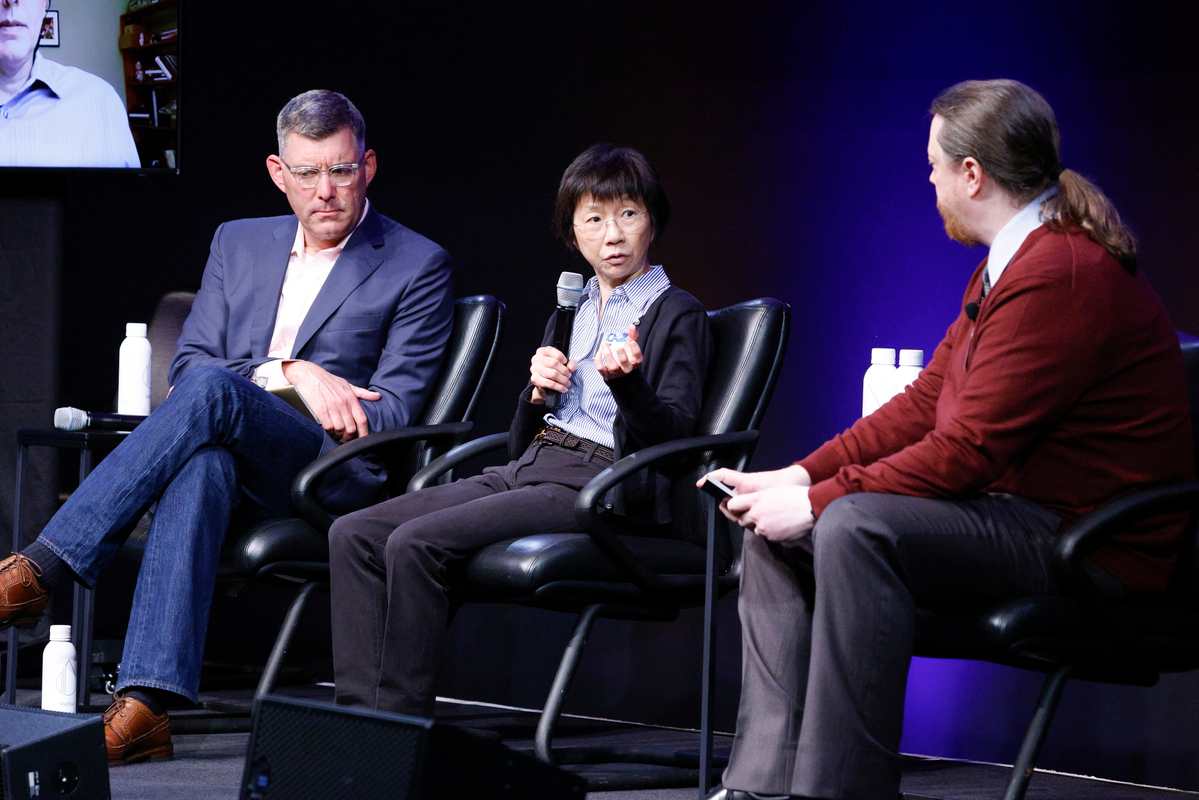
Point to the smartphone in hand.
(717, 489)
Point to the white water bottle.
(879, 384)
(910, 364)
(58, 671)
(133, 381)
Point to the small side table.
(93, 445)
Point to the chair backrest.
(750, 342)
(163, 333)
(469, 355)
(1186, 576)
(1190, 360)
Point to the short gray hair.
(318, 115)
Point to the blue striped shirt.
(65, 117)
(588, 408)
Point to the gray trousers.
(827, 630)
(388, 567)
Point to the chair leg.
(82, 618)
(18, 525)
(290, 622)
(562, 681)
(708, 692)
(1030, 750)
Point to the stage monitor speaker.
(48, 754)
(302, 750)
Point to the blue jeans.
(216, 442)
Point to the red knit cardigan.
(1067, 390)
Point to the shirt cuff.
(272, 371)
(823, 493)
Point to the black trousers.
(388, 569)
(827, 630)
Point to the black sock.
(53, 568)
(153, 699)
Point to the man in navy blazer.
(380, 321)
(351, 309)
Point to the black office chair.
(1081, 634)
(296, 550)
(609, 571)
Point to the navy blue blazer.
(381, 320)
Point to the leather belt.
(569, 441)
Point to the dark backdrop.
(792, 140)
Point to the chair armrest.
(607, 536)
(460, 454)
(303, 488)
(1081, 539)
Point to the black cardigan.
(658, 402)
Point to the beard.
(955, 227)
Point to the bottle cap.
(911, 358)
(135, 329)
(60, 633)
(883, 355)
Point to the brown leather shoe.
(22, 599)
(132, 732)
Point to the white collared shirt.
(305, 276)
(1013, 234)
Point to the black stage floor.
(208, 766)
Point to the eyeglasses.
(629, 221)
(309, 177)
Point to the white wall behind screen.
(88, 31)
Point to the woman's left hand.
(618, 358)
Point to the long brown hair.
(1012, 132)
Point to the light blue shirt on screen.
(65, 117)
(588, 408)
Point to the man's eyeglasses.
(309, 177)
(629, 221)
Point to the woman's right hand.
(550, 370)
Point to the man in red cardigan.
(1059, 387)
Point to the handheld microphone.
(972, 311)
(73, 419)
(570, 291)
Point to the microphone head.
(972, 311)
(570, 289)
(70, 419)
